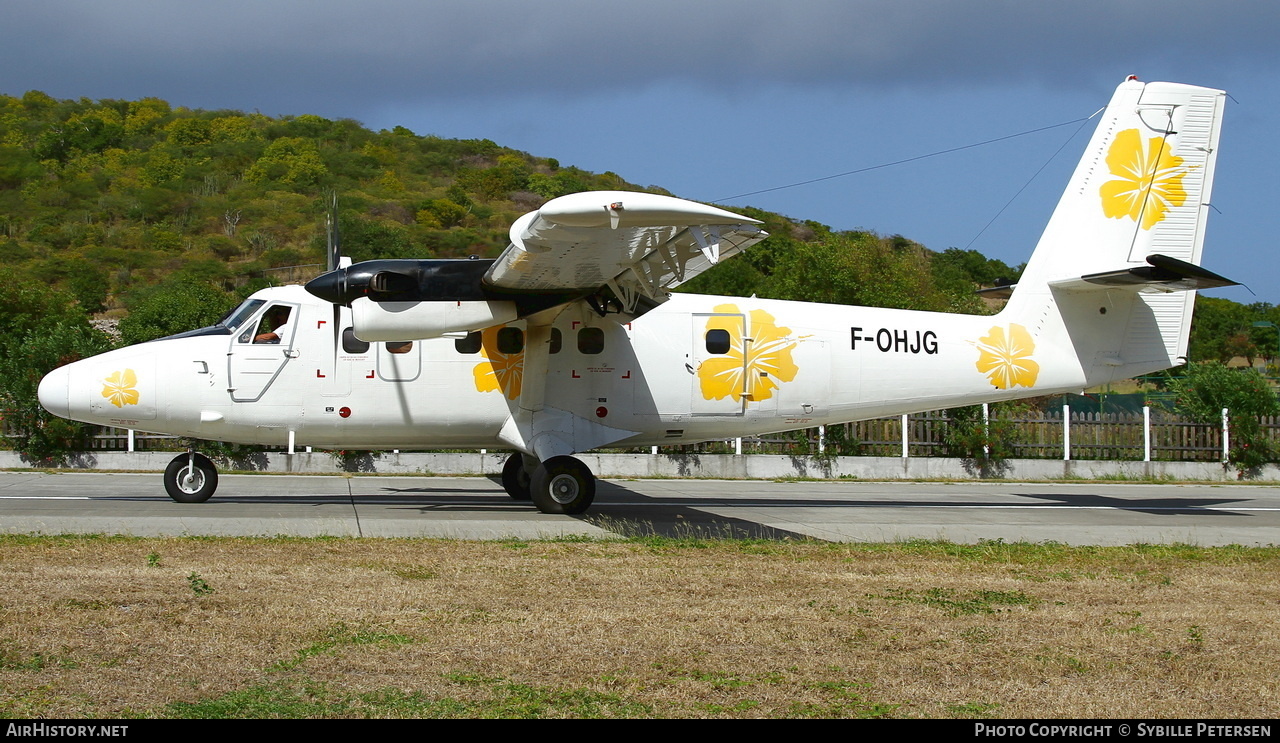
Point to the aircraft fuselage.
(695, 368)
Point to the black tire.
(563, 485)
(515, 478)
(187, 484)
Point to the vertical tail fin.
(1141, 190)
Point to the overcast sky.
(715, 98)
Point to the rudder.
(1141, 189)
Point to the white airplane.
(569, 341)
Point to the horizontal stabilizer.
(1163, 274)
(999, 291)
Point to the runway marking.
(52, 497)
(951, 505)
(665, 501)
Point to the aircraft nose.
(55, 390)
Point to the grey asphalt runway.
(1089, 513)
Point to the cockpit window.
(239, 315)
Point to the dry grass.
(117, 627)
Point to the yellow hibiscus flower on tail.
(1005, 357)
(1148, 180)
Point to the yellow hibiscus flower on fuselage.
(1005, 357)
(766, 361)
(499, 371)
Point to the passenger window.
(399, 346)
(557, 339)
(352, 344)
(590, 341)
(470, 344)
(717, 340)
(510, 341)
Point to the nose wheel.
(562, 485)
(190, 478)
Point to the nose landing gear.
(190, 478)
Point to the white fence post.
(906, 452)
(986, 430)
(1066, 433)
(737, 446)
(1146, 433)
(653, 450)
(822, 439)
(130, 445)
(1226, 438)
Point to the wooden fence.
(1163, 436)
(1158, 434)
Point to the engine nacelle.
(411, 321)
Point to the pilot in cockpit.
(277, 318)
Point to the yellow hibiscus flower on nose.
(119, 388)
(1148, 180)
(1005, 357)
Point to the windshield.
(237, 317)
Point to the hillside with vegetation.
(106, 200)
(161, 218)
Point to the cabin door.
(718, 364)
(260, 351)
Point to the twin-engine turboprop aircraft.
(570, 341)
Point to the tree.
(1208, 387)
(1213, 326)
(42, 438)
(291, 161)
(40, 330)
(175, 307)
(987, 444)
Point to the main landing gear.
(558, 485)
(190, 478)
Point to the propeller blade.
(334, 256)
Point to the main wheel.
(515, 478)
(562, 485)
(190, 478)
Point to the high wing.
(637, 245)
(619, 250)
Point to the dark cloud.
(297, 53)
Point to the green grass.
(336, 638)
(500, 699)
(954, 603)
